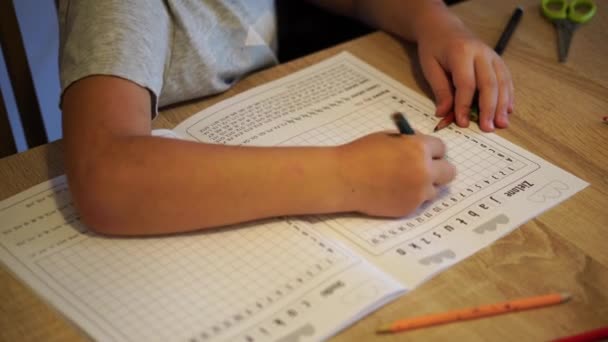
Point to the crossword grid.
(479, 165)
(363, 109)
(271, 278)
(170, 283)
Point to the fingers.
(495, 93)
(435, 146)
(512, 97)
(440, 84)
(488, 92)
(504, 105)
(484, 71)
(463, 74)
(442, 172)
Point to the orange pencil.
(475, 312)
(445, 121)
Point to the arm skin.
(450, 56)
(126, 182)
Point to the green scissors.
(567, 16)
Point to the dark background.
(304, 28)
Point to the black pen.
(499, 49)
(402, 124)
(508, 32)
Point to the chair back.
(22, 84)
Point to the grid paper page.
(342, 102)
(331, 269)
(224, 277)
(253, 281)
(498, 185)
(480, 164)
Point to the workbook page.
(499, 185)
(265, 281)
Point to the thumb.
(440, 84)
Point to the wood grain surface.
(558, 116)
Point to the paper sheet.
(499, 185)
(282, 279)
(254, 282)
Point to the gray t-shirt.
(178, 49)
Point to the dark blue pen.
(402, 124)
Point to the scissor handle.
(581, 11)
(578, 11)
(555, 9)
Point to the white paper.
(282, 279)
(257, 282)
(499, 185)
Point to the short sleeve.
(127, 39)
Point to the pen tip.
(565, 296)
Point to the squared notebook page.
(262, 281)
(499, 185)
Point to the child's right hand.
(391, 175)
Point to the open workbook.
(284, 279)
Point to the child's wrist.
(434, 18)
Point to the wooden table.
(559, 109)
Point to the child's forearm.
(148, 185)
(126, 182)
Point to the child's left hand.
(455, 64)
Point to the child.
(120, 60)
